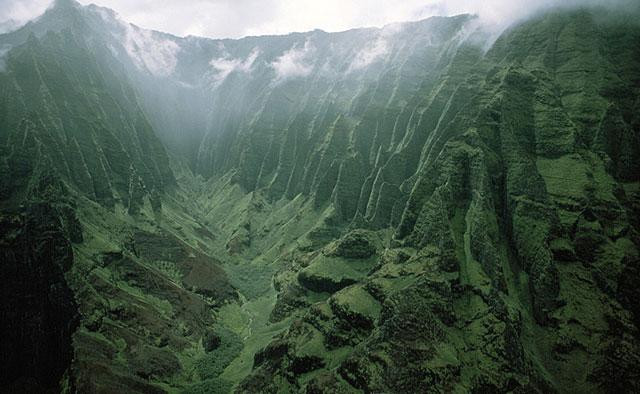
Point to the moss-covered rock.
(357, 244)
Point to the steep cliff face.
(418, 207)
(65, 104)
(39, 312)
(104, 291)
(514, 241)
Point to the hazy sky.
(237, 18)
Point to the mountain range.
(430, 206)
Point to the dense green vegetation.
(418, 208)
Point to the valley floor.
(225, 291)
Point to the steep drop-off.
(423, 207)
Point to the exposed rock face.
(199, 272)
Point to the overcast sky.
(238, 18)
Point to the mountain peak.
(62, 14)
(65, 4)
(63, 8)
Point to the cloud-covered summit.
(238, 18)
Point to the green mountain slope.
(420, 207)
(101, 294)
(507, 265)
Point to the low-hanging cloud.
(295, 62)
(149, 51)
(377, 49)
(15, 13)
(501, 13)
(237, 18)
(4, 50)
(225, 65)
(369, 55)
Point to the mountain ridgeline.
(423, 207)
